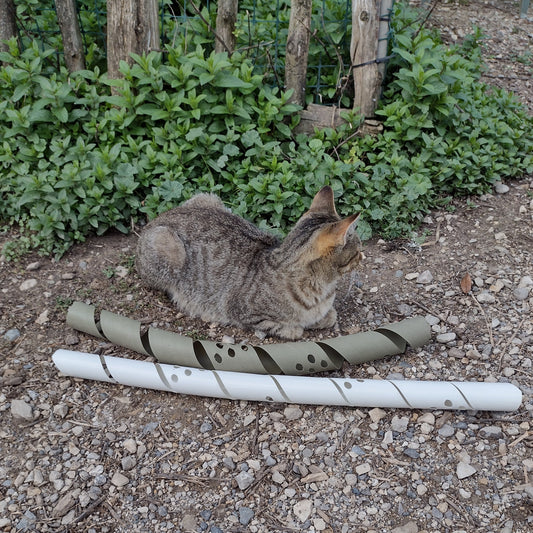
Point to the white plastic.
(291, 389)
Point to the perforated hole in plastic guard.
(218, 358)
(347, 385)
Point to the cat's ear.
(334, 235)
(323, 202)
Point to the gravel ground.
(88, 457)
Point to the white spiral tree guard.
(291, 389)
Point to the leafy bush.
(82, 154)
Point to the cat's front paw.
(290, 333)
(327, 321)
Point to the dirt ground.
(89, 456)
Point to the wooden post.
(67, 18)
(8, 27)
(298, 49)
(225, 26)
(363, 53)
(132, 27)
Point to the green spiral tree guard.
(291, 358)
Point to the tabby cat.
(221, 268)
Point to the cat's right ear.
(323, 202)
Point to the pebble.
(363, 468)
(465, 470)
(244, 479)
(226, 339)
(409, 527)
(446, 430)
(411, 276)
(501, 188)
(130, 445)
(486, 298)
(119, 480)
(28, 284)
(491, 432)
(445, 338)
(21, 410)
(292, 413)
(12, 335)
(64, 505)
(33, 266)
(376, 414)
(399, 424)
(302, 510)
(425, 277)
(521, 293)
(245, 515)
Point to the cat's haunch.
(217, 266)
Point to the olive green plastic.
(291, 358)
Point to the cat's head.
(324, 239)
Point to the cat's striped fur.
(221, 268)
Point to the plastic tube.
(291, 389)
(292, 358)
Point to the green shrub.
(80, 154)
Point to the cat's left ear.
(323, 202)
(334, 234)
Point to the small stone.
(432, 320)
(302, 510)
(189, 522)
(425, 277)
(465, 494)
(226, 339)
(128, 463)
(376, 414)
(278, 477)
(526, 281)
(412, 453)
(28, 284)
(244, 480)
(363, 468)
(33, 266)
(399, 424)
(421, 489)
(405, 309)
(411, 276)
(42, 318)
(486, 298)
(293, 413)
(21, 411)
(465, 470)
(68, 276)
(445, 338)
(428, 418)
(491, 432)
(130, 445)
(61, 410)
(446, 430)
(206, 427)
(500, 236)
(12, 335)
(521, 293)
(119, 480)
(245, 515)
(497, 286)
(501, 188)
(64, 505)
(72, 340)
(409, 527)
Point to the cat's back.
(204, 220)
